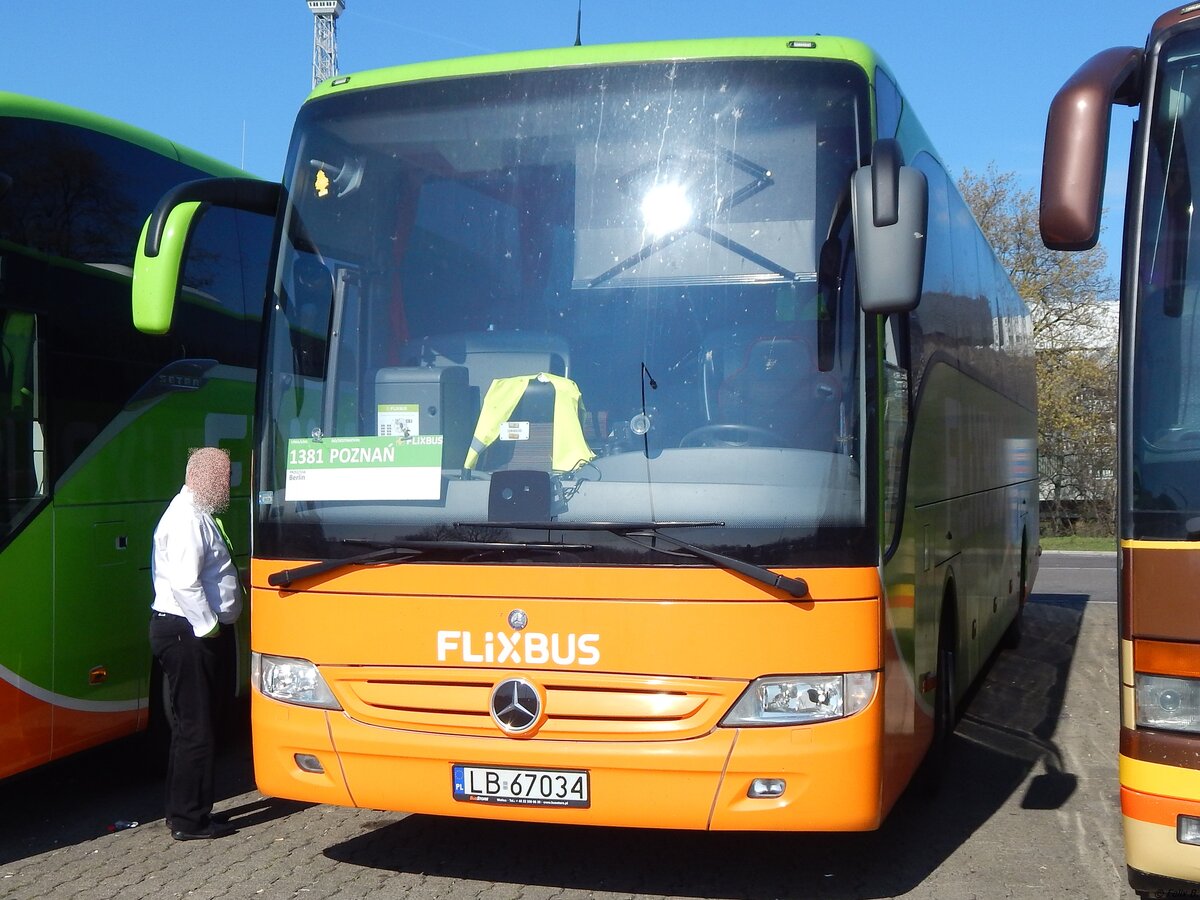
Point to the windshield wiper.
(403, 552)
(796, 587)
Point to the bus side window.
(22, 457)
(895, 422)
(213, 313)
(888, 103)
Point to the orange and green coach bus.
(635, 421)
(1159, 419)
(96, 417)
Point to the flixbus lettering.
(531, 648)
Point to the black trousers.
(195, 670)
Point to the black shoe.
(214, 830)
(221, 818)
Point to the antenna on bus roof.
(579, 25)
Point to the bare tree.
(1066, 292)
(1071, 299)
(1077, 439)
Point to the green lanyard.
(228, 546)
(224, 535)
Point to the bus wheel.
(1012, 635)
(945, 709)
(1011, 639)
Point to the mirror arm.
(248, 194)
(886, 160)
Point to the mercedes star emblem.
(516, 705)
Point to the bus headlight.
(797, 699)
(290, 681)
(1167, 702)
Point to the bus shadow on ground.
(85, 796)
(1006, 732)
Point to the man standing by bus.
(197, 598)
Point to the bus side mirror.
(889, 207)
(162, 246)
(1076, 152)
(156, 278)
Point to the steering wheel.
(728, 434)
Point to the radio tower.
(325, 14)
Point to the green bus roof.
(24, 107)
(813, 46)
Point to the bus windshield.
(604, 295)
(1165, 438)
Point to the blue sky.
(227, 77)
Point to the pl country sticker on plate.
(364, 468)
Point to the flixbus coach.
(96, 417)
(634, 421)
(1159, 421)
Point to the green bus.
(96, 418)
(634, 421)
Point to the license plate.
(522, 787)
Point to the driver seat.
(774, 385)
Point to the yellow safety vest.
(570, 449)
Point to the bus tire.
(1011, 639)
(945, 707)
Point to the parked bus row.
(689, 454)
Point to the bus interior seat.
(465, 364)
(489, 355)
(434, 399)
(748, 379)
(535, 450)
(530, 423)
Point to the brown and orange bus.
(1159, 421)
(645, 437)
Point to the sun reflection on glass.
(666, 209)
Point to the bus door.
(26, 615)
(22, 456)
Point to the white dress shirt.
(193, 572)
